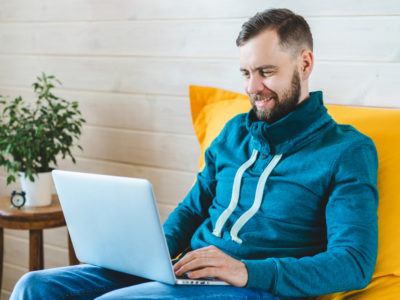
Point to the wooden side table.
(34, 219)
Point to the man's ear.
(306, 64)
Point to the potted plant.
(33, 136)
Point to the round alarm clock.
(18, 199)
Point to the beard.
(283, 105)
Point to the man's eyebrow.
(263, 67)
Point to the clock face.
(18, 200)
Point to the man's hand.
(210, 261)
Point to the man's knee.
(28, 286)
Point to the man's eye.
(266, 73)
(245, 75)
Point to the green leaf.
(33, 137)
(10, 179)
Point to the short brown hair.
(293, 31)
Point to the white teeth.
(262, 101)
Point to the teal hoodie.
(295, 200)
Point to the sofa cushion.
(380, 288)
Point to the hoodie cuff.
(262, 274)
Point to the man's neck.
(305, 94)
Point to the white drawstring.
(235, 194)
(257, 200)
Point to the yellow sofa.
(211, 108)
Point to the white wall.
(129, 64)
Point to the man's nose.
(255, 85)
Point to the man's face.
(271, 78)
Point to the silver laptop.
(114, 223)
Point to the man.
(285, 206)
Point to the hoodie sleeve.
(193, 210)
(352, 232)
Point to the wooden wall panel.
(85, 10)
(134, 75)
(4, 189)
(122, 74)
(164, 211)
(23, 234)
(54, 237)
(5, 295)
(364, 38)
(143, 112)
(16, 252)
(149, 149)
(356, 83)
(11, 274)
(57, 237)
(16, 259)
(168, 38)
(198, 38)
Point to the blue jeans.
(91, 282)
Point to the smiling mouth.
(263, 102)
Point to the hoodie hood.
(288, 133)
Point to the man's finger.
(195, 254)
(198, 263)
(184, 260)
(204, 272)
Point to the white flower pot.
(38, 193)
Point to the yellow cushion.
(212, 108)
(380, 288)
